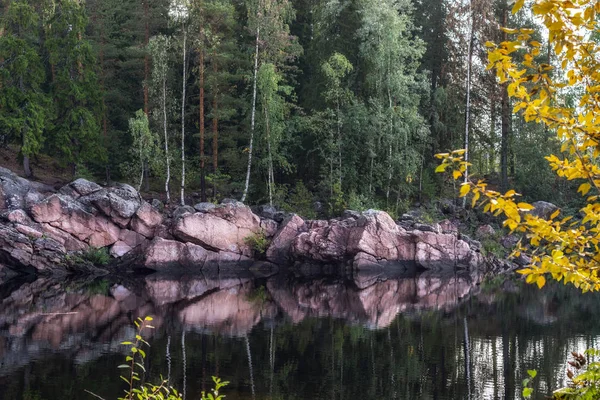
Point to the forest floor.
(45, 168)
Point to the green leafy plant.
(300, 201)
(528, 390)
(96, 256)
(258, 242)
(134, 364)
(215, 391)
(584, 378)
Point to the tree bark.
(252, 119)
(468, 105)
(183, 118)
(215, 125)
(164, 107)
(201, 105)
(146, 56)
(271, 180)
(201, 125)
(505, 128)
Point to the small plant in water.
(134, 363)
(584, 378)
(528, 390)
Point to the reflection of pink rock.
(228, 312)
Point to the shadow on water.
(292, 336)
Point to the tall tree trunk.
(505, 127)
(391, 122)
(146, 55)
(201, 123)
(252, 119)
(146, 80)
(164, 109)
(183, 117)
(215, 127)
(339, 140)
(270, 156)
(468, 105)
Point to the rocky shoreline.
(41, 228)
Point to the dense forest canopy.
(285, 102)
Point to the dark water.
(292, 337)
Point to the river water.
(292, 336)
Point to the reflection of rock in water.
(84, 321)
(375, 305)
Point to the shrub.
(300, 201)
(96, 256)
(258, 242)
(584, 383)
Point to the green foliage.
(258, 242)
(134, 370)
(491, 246)
(337, 203)
(74, 87)
(145, 150)
(96, 256)
(527, 390)
(24, 107)
(584, 378)
(300, 201)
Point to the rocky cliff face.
(40, 227)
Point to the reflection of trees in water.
(251, 342)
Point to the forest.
(285, 102)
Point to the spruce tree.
(74, 88)
(24, 108)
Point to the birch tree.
(268, 20)
(159, 47)
(180, 13)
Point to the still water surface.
(292, 337)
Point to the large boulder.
(166, 255)
(323, 241)
(223, 228)
(24, 253)
(14, 190)
(440, 251)
(374, 238)
(146, 219)
(119, 203)
(377, 234)
(279, 250)
(543, 209)
(70, 216)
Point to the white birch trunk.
(164, 107)
(271, 178)
(468, 106)
(252, 117)
(183, 120)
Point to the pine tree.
(24, 108)
(74, 88)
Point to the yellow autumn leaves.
(566, 249)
